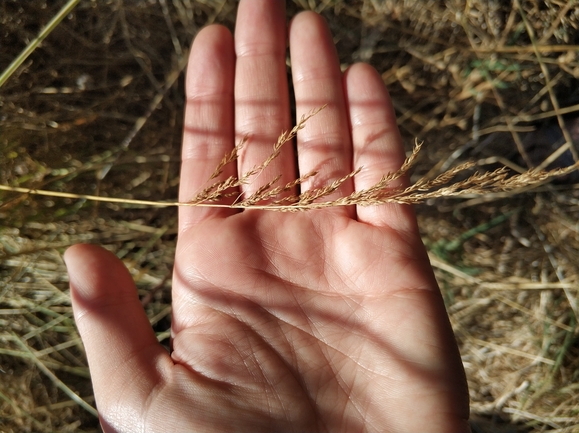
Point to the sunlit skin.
(319, 321)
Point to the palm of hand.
(328, 320)
(300, 331)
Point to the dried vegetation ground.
(97, 109)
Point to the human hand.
(326, 320)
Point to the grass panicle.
(270, 196)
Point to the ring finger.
(324, 145)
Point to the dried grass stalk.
(272, 196)
(268, 196)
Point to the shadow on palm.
(300, 308)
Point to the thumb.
(122, 350)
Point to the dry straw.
(461, 69)
(273, 196)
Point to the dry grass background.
(97, 109)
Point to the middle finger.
(262, 109)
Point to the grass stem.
(64, 11)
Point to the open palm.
(319, 321)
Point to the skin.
(321, 321)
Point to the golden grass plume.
(273, 196)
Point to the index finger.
(208, 128)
